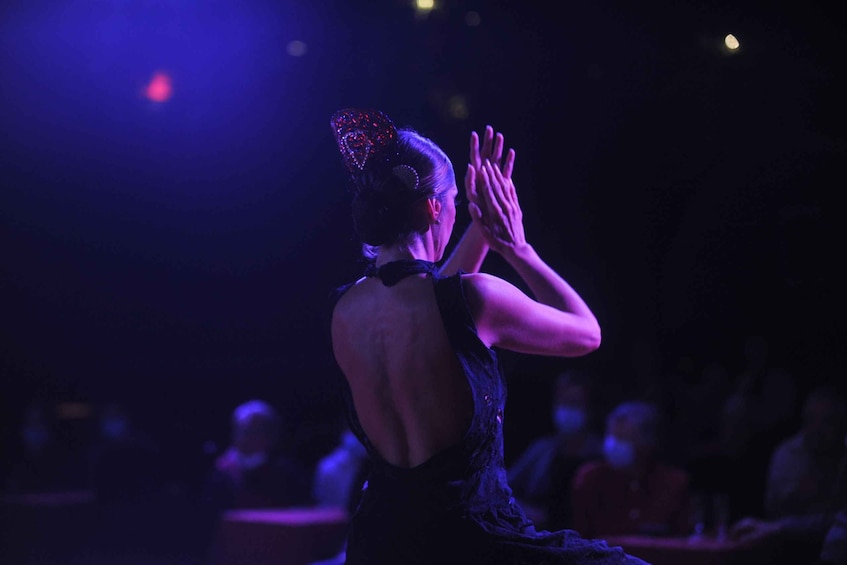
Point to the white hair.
(243, 413)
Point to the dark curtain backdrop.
(177, 257)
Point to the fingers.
(500, 187)
(470, 184)
(475, 159)
(509, 165)
(497, 150)
(493, 146)
(489, 148)
(490, 190)
(487, 142)
(501, 214)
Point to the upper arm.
(508, 318)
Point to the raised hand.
(496, 208)
(472, 248)
(492, 147)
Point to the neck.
(417, 249)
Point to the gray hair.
(260, 409)
(644, 415)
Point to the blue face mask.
(351, 444)
(619, 453)
(113, 428)
(568, 420)
(35, 437)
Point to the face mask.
(568, 420)
(253, 460)
(351, 444)
(620, 454)
(113, 428)
(35, 437)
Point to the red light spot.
(159, 89)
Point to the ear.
(433, 209)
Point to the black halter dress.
(456, 508)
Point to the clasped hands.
(492, 199)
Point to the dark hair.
(573, 377)
(385, 205)
(827, 394)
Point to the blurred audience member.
(41, 464)
(774, 385)
(541, 476)
(755, 416)
(834, 547)
(340, 474)
(254, 472)
(631, 491)
(804, 468)
(125, 462)
(339, 477)
(126, 475)
(696, 403)
(802, 482)
(735, 463)
(766, 393)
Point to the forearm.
(546, 285)
(468, 254)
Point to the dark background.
(177, 257)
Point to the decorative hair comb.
(407, 175)
(364, 137)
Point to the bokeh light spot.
(296, 48)
(731, 42)
(458, 107)
(159, 88)
(473, 19)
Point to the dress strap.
(393, 272)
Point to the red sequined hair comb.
(365, 138)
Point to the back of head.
(255, 426)
(572, 386)
(642, 416)
(572, 403)
(824, 419)
(392, 171)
